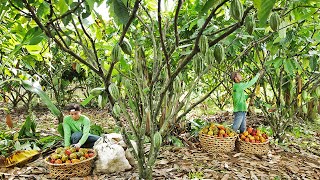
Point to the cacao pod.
(318, 92)
(236, 10)
(218, 53)
(115, 54)
(198, 64)
(274, 21)
(203, 44)
(209, 58)
(249, 24)
(304, 109)
(116, 110)
(157, 139)
(304, 95)
(97, 91)
(126, 47)
(102, 100)
(114, 91)
(177, 84)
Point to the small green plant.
(195, 175)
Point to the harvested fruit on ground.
(217, 130)
(253, 136)
(69, 155)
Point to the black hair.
(75, 107)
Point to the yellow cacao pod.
(236, 10)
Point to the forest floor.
(297, 158)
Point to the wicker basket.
(253, 148)
(214, 144)
(67, 171)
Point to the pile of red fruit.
(69, 155)
(253, 136)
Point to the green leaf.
(96, 129)
(209, 4)
(36, 88)
(121, 11)
(62, 4)
(264, 8)
(60, 129)
(90, 4)
(87, 100)
(43, 9)
(288, 66)
(313, 63)
(33, 36)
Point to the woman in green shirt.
(76, 129)
(239, 99)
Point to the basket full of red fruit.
(69, 162)
(253, 141)
(217, 138)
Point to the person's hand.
(77, 146)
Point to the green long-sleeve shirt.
(238, 95)
(71, 126)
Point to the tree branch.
(176, 22)
(133, 15)
(69, 12)
(164, 49)
(92, 44)
(48, 33)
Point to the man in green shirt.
(239, 99)
(76, 129)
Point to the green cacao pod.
(305, 109)
(140, 53)
(157, 139)
(116, 110)
(209, 58)
(97, 91)
(219, 53)
(318, 92)
(114, 91)
(115, 54)
(249, 24)
(126, 47)
(203, 44)
(304, 95)
(102, 99)
(236, 10)
(177, 84)
(198, 64)
(274, 21)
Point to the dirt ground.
(188, 162)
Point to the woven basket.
(253, 148)
(67, 171)
(214, 144)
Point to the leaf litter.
(179, 162)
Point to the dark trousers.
(75, 138)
